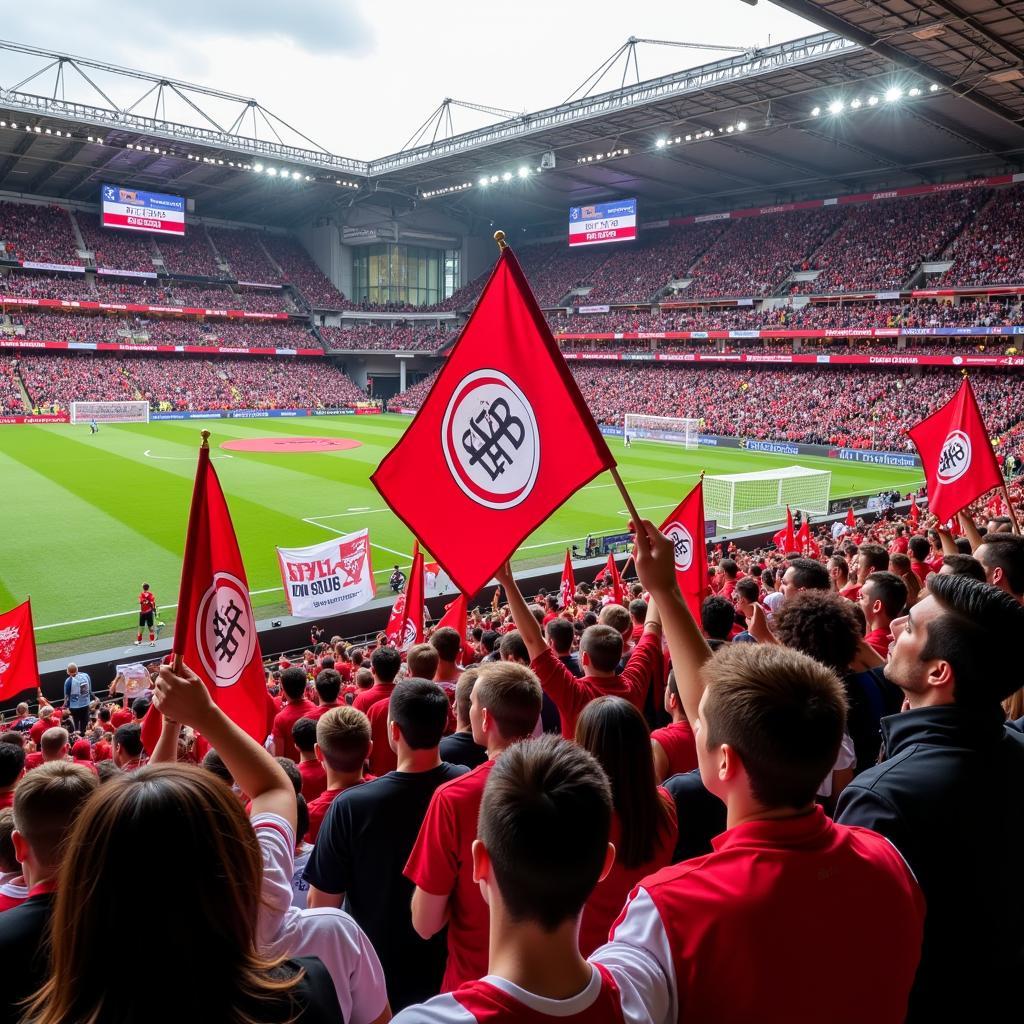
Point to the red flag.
(19, 669)
(455, 616)
(568, 589)
(503, 438)
(851, 519)
(215, 631)
(958, 460)
(685, 528)
(611, 570)
(405, 626)
(785, 540)
(152, 726)
(914, 514)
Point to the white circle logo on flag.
(490, 439)
(955, 457)
(682, 545)
(225, 630)
(409, 634)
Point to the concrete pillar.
(401, 374)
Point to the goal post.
(740, 500)
(663, 429)
(110, 412)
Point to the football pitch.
(87, 519)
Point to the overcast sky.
(360, 76)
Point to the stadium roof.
(817, 116)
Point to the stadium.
(754, 276)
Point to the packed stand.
(115, 250)
(72, 288)
(301, 271)
(135, 293)
(757, 253)
(190, 255)
(879, 244)
(989, 250)
(385, 338)
(412, 397)
(71, 327)
(10, 393)
(242, 250)
(851, 408)
(37, 234)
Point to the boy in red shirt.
(600, 653)
(385, 663)
(293, 682)
(504, 707)
(674, 747)
(702, 940)
(342, 747)
(545, 819)
(311, 771)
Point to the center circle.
(291, 444)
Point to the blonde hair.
(343, 736)
(47, 801)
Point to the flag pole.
(176, 664)
(1009, 508)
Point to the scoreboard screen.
(602, 222)
(129, 209)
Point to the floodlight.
(258, 168)
(836, 107)
(893, 94)
(815, 111)
(482, 182)
(524, 172)
(872, 101)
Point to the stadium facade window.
(403, 274)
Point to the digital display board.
(129, 209)
(602, 222)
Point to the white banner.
(132, 680)
(328, 578)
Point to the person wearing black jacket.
(949, 794)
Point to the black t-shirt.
(361, 850)
(313, 1000)
(23, 930)
(701, 815)
(460, 748)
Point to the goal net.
(667, 429)
(110, 412)
(739, 500)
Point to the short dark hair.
(420, 709)
(784, 714)
(809, 574)
(717, 616)
(919, 547)
(512, 695)
(421, 661)
(293, 682)
(822, 624)
(130, 738)
(104, 713)
(386, 662)
(603, 646)
(977, 635)
(291, 769)
(965, 565)
(729, 567)
(464, 694)
(873, 555)
(447, 642)
(12, 761)
(328, 685)
(304, 734)
(214, 763)
(638, 609)
(890, 590)
(748, 588)
(1006, 551)
(140, 706)
(545, 820)
(561, 634)
(489, 639)
(301, 815)
(514, 646)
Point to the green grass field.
(87, 519)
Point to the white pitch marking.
(357, 508)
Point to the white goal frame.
(661, 429)
(740, 500)
(110, 412)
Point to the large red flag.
(611, 571)
(405, 626)
(958, 460)
(19, 669)
(215, 631)
(785, 539)
(685, 528)
(915, 514)
(851, 519)
(455, 616)
(567, 591)
(503, 438)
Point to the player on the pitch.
(94, 427)
(147, 615)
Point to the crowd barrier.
(116, 346)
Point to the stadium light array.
(891, 95)
(446, 191)
(611, 154)
(665, 141)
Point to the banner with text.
(328, 578)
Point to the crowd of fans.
(242, 250)
(879, 244)
(190, 254)
(10, 393)
(53, 381)
(115, 250)
(70, 327)
(32, 285)
(301, 271)
(988, 250)
(38, 234)
(611, 804)
(385, 338)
